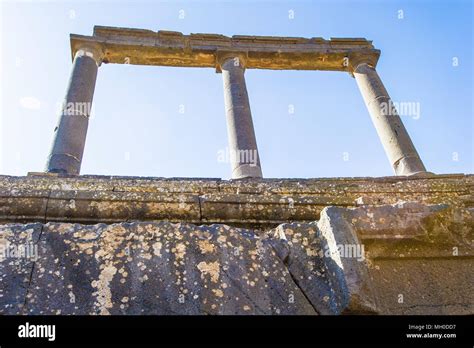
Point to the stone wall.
(110, 245)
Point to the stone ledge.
(266, 202)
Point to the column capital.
(355, 60)
(239, 59)
(93, 51)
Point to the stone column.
(392, 133)
(245, 161)
(70, 133)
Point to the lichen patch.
(212, 269)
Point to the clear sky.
(308, 123)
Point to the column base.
(247, 171)
(408, 166)
(64, 164)
(424, 174)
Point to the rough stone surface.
(152, 268)
(419, 258)
(294, 268)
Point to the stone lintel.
(168, 48)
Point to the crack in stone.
(285, 263)
(239, 288)
(297, 284)
(24, 310)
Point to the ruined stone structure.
(80, 244)
(230, 56)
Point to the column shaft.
(245, 161)
(392, 133)
(70, 133)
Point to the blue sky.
(137, 127)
